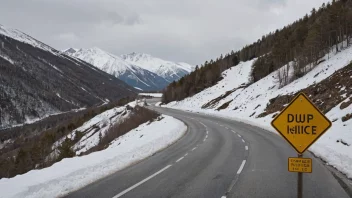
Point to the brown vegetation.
(346, 117)
(139, 115)
(41, 82)
(302, 43)
(31, 150)
(214, 102)
(346, 104)
(224, 106)
(325, 95)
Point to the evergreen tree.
(65, 150)
(303, 42)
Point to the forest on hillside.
(302, 43)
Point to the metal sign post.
(301, 123)
(300, 182)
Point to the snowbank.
(155, 95)
(102, 122)
(71, 174)
(93, 128)
(135, 103)
(249, 102)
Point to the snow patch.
(161, 67)
(155, 95)
(7, 58)
(138, 88)
(250, 101)
(73, 173)
(22, 37)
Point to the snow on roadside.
(331, 148)
(249, 102)
(95, 128)
(100, 123)
(73, 173)
(155, 95)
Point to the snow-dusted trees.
(302, 43)
(307, 40)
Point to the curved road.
(216, 158)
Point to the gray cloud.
(183, 30)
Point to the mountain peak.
(115, 65)
(41, 81)
(167, 69)
(70, 50)
(135, 68)
(136, 56)
(24, 38)
(95, 50)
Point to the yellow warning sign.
(301, 165)
(301, 123)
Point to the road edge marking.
(141, 182)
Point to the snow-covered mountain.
(133, 75)
(70, 50)
(24, 38)
(141, 71)
(171, 71)
(38, 80)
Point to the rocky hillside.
(37, 80)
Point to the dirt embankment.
(213, 103)
(325, 95)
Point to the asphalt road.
(217, 158)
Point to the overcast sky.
(179, 30)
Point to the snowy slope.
(22, 37)
(131, 74)
(241, 71)
(171, 71)
(70, 50)
(246, 103)
(95, 127)
(73, 173)
(38, 80)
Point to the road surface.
(216, 158)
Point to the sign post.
(300, 182)
(301, 124)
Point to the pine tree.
(304, 42)
(65, 150)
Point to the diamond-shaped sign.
(301, 123)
